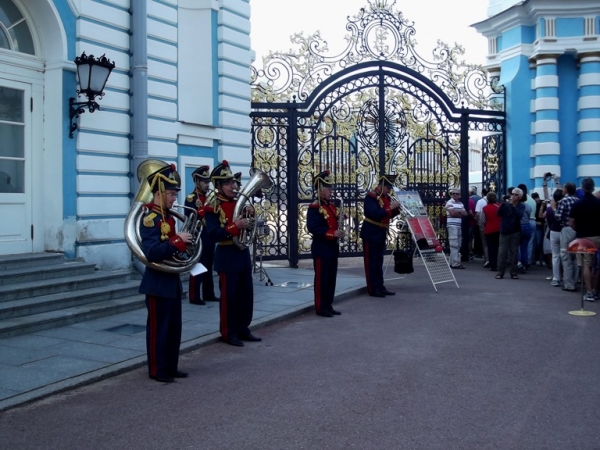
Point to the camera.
(548, 176)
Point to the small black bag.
(403, 258)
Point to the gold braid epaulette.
(323, 211)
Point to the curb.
(140, 361)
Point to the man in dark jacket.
(322, 220)
(163, 290)
(379, 209)
(584, 218)
(510, 213)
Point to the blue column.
(588, 126)
(546, 127)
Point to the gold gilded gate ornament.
(492, 163)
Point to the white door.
(16, 226)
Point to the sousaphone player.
(163, 290)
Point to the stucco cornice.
(530, 11)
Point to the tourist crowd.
(516, 231)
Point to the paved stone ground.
(496, 364)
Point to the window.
(14, 31)
(12, 136)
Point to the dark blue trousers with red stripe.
(163, 335)
(373, 259)
(237, 303)
(204, 281)
(325, 279)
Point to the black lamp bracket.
(77, 108)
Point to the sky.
(274, 21)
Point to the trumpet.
(343, 225)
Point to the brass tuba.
(244, 209)
(181, 262)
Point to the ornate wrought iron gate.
(377, 108)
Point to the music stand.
(402, 229)
(257, 267)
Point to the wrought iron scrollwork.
(375, 117)
(377, 33)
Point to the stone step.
(66, 284)
(68, 316)
(62, 300)
(12, 262)
(40, 273)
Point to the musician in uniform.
(233, 264)
(379, 208)
(204, 281)
(163, 290)
(322, 220)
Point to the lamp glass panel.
(83, 73)
(98, 78)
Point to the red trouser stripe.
(366, 261)
(318, 276)
(153, 334)
(223, 304)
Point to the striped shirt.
(455, 205)
(563, 211)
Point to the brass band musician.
(232, 263)
(203, 282)
(379, 210)
(163, 290)
(322, 220)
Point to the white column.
(588, 126)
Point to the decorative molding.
(588, 148)
(540, 170)
(199, 4)
(546, 126)
(546, 148)
(588, 170)
(587, 125)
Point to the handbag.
(403, 258)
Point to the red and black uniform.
(163, 292)
(373, 233)
(196, 200)
(234, 267)
(322, 222)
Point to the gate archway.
(377, 108)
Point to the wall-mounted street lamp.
(92, 74)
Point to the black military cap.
(388, 180)
(202, 172)
(323, 179)
(221, 173)
(165, 178)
